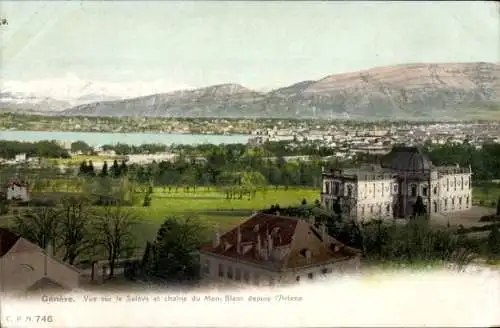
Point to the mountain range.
(409, 91)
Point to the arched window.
(327, 187)
(413, 190)
(435, 207)
(349, 191)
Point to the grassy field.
(214, 209)
(486, 195)
(210, 206)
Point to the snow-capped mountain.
(63, 93)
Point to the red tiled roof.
(288, 235)
(7, 241)
(16, 183)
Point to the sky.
(164, 45)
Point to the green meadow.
(212, 207)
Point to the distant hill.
(411, 91)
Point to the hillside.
(417, 91)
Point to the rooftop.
(279, 243)
(407, 159)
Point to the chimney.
(312, 220)
(270, 245)
(238, 240)
(258, 245)
(324, 234)
(308, 255)
(216, 239)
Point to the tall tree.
(83, 168)
(114, 228)
(115, 169)
(39, 225)
(74, 227)
(90, 169)
(171, 256)
(104, 170)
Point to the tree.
(104, 170)
(115, 169)
(419, 208)
(171, 255)
(147, 200)
(83, 168)
(123, 168)
(74, 227)
(90, 169)
(114, 228)
(80, 146)
(39, 225)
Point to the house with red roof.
(17, 190)
(270, 249)
(25, 267)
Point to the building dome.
(408, 159)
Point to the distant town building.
(17, 190)
(26, 267)
(20, 158)
(269, 249)
(390, 190)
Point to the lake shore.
(138, 138)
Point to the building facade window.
(297, 279)
(424, 191)
(395, 188)
(435, 190)
(221, 270)
(388, 208)
(462, 183)
(336, 188)
(413, 190)
(206, 267)
(349, 191)
(324, 271)
(237, 274)
(246, 276)
(310, 275)
(230, 273)
(327, 187)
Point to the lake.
(101, 138)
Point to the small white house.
(17, 190)
(20, 158)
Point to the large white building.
(270, 249)
(391, 189)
